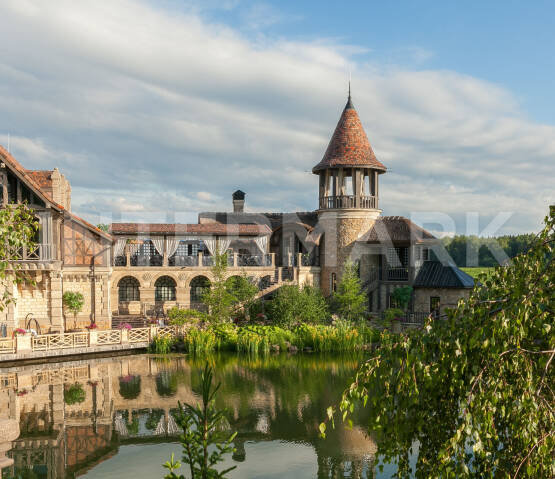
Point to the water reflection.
(69, 419)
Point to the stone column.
(56, 306)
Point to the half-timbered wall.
(81, 247)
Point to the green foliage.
(349, 301)
(218, 299)
(185, 317)
(460, 246)
(73, 301)
(161, 344)
(393, 313)
(74, 394)
(293, 305)
(104, 227)
(402, 296)
(18, 227)
(166, 383)
(202, 426)
(200, 341)
(243, 291)
(475, 391)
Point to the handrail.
(348, 201)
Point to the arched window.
(198, 286)
(164, 289)
(128, 289)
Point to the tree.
(293, 304)
(202, 427)
(18, 227)
(218, 299)
(73, 301)
(482, 380)
(243, 292)
(104, 227)
(349, 301)
(402, 296)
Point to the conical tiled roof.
(349, 145)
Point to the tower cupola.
(349, 169)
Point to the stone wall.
(342, 229)
(449, 297)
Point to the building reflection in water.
(50, 430)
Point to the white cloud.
(150, 111)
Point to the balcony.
(398, 273)
(200, 261)
(40, 252)
(348, 201)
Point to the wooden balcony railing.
(40, 252)
(348, 201)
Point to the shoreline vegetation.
(297, 318)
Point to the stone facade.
(448, 298)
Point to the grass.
(475, 272)
(260, 340)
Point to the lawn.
(474, 272)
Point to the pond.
(114, 417)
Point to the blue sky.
(156, 110)
(509, 42)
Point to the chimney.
(238, 201)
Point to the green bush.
(349, 301)
(294, 305)
(74, 394)
(185, 317)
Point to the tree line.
(475, 251)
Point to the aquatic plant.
(203, 428)
(161, 344)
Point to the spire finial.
(349, 102)
(349, 84)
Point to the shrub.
(293, 305)
(185, 317)
(198, 341)
(74, 394)
(166, 383)
(402, 296)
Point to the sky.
(156, 110)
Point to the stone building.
(145, 268)
(71, 255)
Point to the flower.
(92, 326)
(19, 331)
(125, 326)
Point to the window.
(333, 283)
(164, 289)
(128, 289)
(425, 254)
(398, 257)
(434, 305)
(199, 285)
(392, 302)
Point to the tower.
(348, 193)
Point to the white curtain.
(172, 244)
(223, 245)
(119, 247)
(133, 248)
(211, 245)
(262, 243)
(158, 242)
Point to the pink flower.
(125, 326)
(19, 331)
(92, 326)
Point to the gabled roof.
(43, 178)
(349, 145)
(397, 229)
(33, 179)
(434, 274)
(195, 229)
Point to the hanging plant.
(130, 386)
(74, 394)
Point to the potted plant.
(73, 301)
